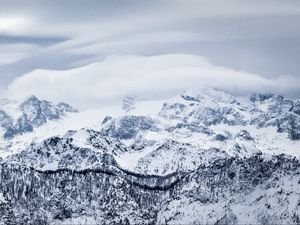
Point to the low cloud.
(108, 81)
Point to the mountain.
(202, 157)
(200, 121)
(76, 150)
(21, 117)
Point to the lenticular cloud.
(149, 77)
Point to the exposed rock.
(32, 113)
(128, 126)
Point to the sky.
(93, 52)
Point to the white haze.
(108, 81)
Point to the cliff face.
(227, 189)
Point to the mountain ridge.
(29, 113)
(200, 157)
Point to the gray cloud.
(36, 40)
(261, 37)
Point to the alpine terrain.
(201, 157)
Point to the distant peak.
(260, 97)
(30, 98)
(201, 93)
(66, 107)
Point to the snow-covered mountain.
(200, 121)
(202, 157)
(21, 117)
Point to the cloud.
(108, 81)
(258, 33)
(14, 24)
(7, 58)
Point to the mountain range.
(201, 157)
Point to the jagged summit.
(208, 94)
(23, 116)
(30, 98)
(262, 97)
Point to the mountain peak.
(207, 93)
(261, 97)
(23, 116)
(30, 98)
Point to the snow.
(71, 121)
(11, 107)
(129, 160)
(147, 107)
(80, 138)
(267, 139)
(51, 166)
(165, 148)
(81, 220)
(2, 199)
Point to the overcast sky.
(257, 38)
